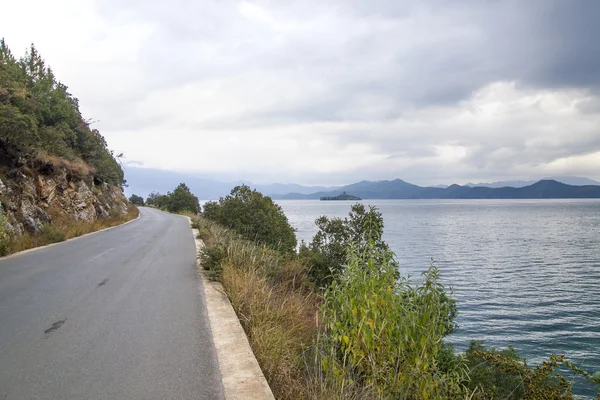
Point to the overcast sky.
(331, 92)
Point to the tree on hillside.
(254, 216)
(151, 199)
(137, 200)
(161, 201)
(40, 118)
(182, 199)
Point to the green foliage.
(253, 216)
(156, 199)
(379, 336)
(504, 374)
(137, 200)
(387, 333)
(181, 199)
(38, 113)
(52, 234)
(4, 238)
(211, 258)
(491, 378)
(326, 254)
(151, 199)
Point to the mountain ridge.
(144, 180)
(569, 180)
(399, 189)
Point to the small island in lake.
(343, 196)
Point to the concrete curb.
(68, 240)
(241, 375)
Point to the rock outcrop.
(31, 198)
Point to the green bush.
(387, 333)
(51, 234)
(137, 200)
(504, 374)
(211, 258)
(253, 216)
(4, 238)
(327, 253)
(180, 200)
(377, 336)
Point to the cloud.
(332, 92)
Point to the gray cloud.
(329, 92)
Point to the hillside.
(399, 189)
(568, 180)
(53, 165)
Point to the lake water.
(525, 272)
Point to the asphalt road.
(115, 315)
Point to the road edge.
(20, 253)
(241, 375)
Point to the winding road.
(113, 315)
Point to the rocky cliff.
(32, 197)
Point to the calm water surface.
(524, 272)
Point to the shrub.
(136, 200)
(326, 254)
(504, 374)
(181, 200)
(376, 336)
(4, 238)
(211, 258)
(253, 216)
(51, 234)
(387, 333)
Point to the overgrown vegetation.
(355, 329)
(387, 334)
(4, 237)
(274, 300)
(327, 253)
(180, 200)
(63, 228)
(40, 122)
(136, 200)
(253, 216)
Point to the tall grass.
(4, 238)
(64, 228)
(275, 304)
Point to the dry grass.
(276, 306)
(277, 326)
(76, 167)
(63, 229)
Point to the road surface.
(114, 315)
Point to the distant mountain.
(399, 189)
(440, 186)
(142, 181)
(569, 180)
